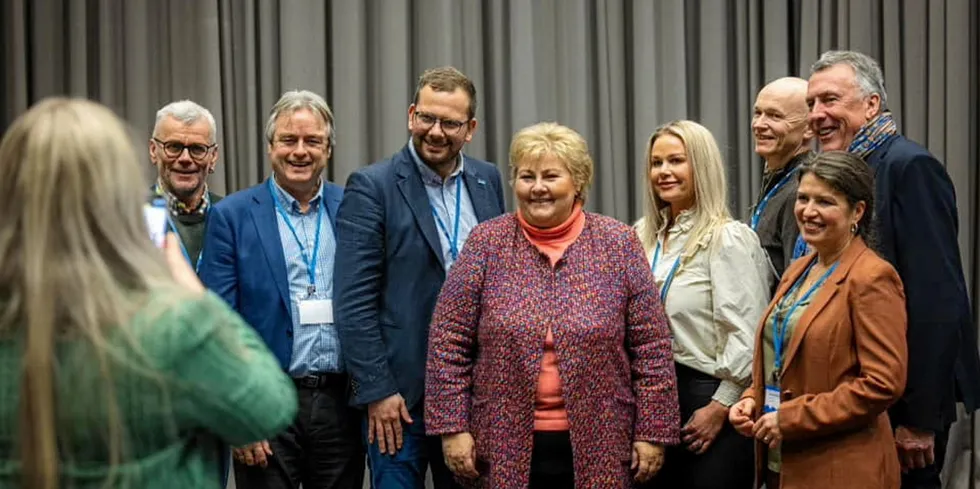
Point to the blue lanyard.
(454, 239)
(670, 274)
(781, 323)
(759, 209)
(800, 248)
(183, 249)
(310, 262)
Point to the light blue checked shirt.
(316, 348)
(442, 196)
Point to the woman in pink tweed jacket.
(551, 280)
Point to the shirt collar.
(429, 176)
(683, 223)
(178, 208)
(290, 202)
(789, 166)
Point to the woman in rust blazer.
(549, 362)
(831, 354)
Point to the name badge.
(772, 400)
(315, 311)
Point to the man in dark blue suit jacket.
(270, 252)
(399, 228)
(917, 230)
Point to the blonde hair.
(710, 190)
(76, 261)
(545, 139)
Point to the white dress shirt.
(715, 301)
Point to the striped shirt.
(442, 198)
(316, 348)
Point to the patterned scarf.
(178, 208)
(873, 134)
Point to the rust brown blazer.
(845, 365)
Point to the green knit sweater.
(211, 379)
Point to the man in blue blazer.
(270, 252)
(917, 228)
(400, 227)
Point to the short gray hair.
(295, 100)
(867, 73)
(187, 112)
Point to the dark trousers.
(729, 461)
(928, 478)
(322, 449)
(406, 468)
(551, 461)
(772, 479)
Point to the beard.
(182, 190)
(448, 150)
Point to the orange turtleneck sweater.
(549, 407)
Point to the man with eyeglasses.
(184, 151)
(400, 227)
(270, 253)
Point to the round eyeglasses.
(173, 149)
(449, 126)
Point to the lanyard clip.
(310, 290)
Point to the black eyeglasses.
(173, 149)
(449, 126)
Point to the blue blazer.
(389, 271)
(917, 227)
(245, 264)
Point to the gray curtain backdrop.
(611, 69)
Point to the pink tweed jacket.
(486, 342)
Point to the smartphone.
(156, 215)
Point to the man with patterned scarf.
(184, 151)
(917, 226)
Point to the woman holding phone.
(120, 370)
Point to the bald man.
(782, 139)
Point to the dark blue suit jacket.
(389, 271)
(917, 229)
(245, 264)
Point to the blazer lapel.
(411, 187)
(478, 187)
(332, 200)
(267, 225)
(823, 296)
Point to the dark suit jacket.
(844, 365)
(389, 271)
(917, 233)
(245, 264)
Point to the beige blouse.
(715, 301)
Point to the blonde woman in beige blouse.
(714, 281)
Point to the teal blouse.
(769, 351)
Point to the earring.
(854, 228)
(211, 170)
